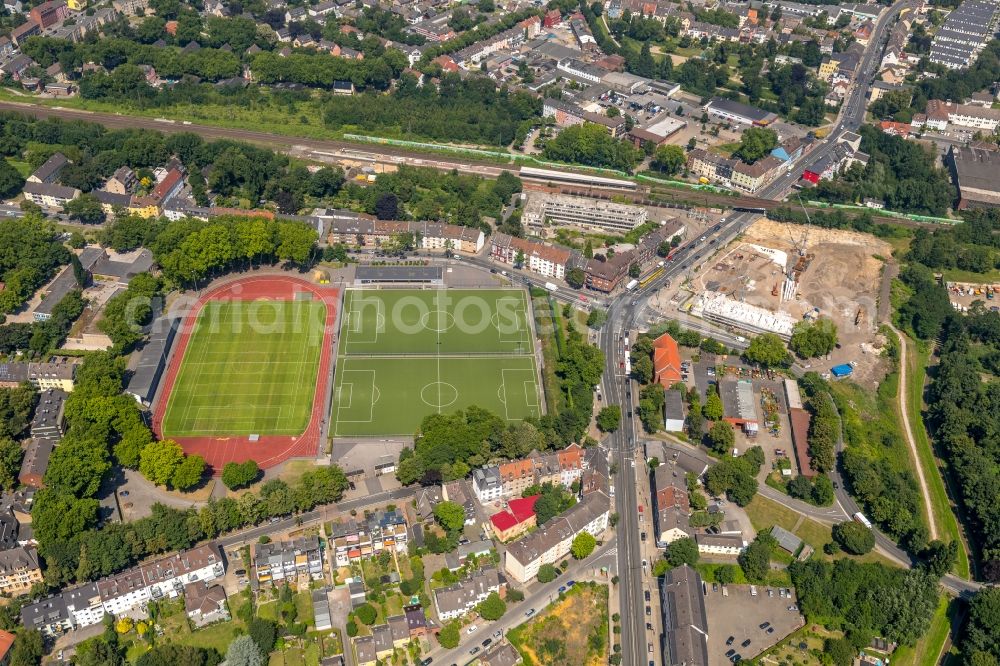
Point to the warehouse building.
(153, 360)
(977, 176)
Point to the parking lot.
(739, 617)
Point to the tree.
(583, 545)
(721, 437)
(767, 350)
(387, 206)
(264, 633)
(243, 652)
(28, 648)
(240, 475)
(840, 651)
(11, 181)
(450, 635)
(450, 515)
(366, 613)
(546, 573)
(939, 557)
(159, 460)
(10, 462)
(756, 143)
(634, 271)
(726, 574)
(188, 473)
(85, 208)
(609, 418)
(812, 339)
(597, 317)
(682, 551)
(575, 277)
(492, 608)
(854, 537)
(822, 491)
(755, 560)
(713, 409)
(669, 159)
(982, 632)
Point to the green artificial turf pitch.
(249, 368)
(404, 354)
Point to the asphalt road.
(317, 515)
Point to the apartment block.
(546, 260)
(544, 209)
(552, 541)
(124, 592)
(456, 600)
(512, 478)
(19, 570)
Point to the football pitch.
(249, 368)
(405, 354)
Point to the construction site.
(780, 274)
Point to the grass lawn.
(927, 649)
(726, 149)
(268, 610)
(304, 608)
(789, 652)
(409, 353)
(249, 367)
(764, 513)
(22, 167)
(944, 515)
(572, 632)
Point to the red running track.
(268, 450)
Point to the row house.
(283, 560)
(553, 540)
(43, 376)
(471, 56)
(511, 479)
(47, 428)
(747, 177)
(125, 592)
(456, 600)
(49, 195)
(459, 492)
(841, 157)
(546, 260)
(353, 539)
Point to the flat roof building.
(580, 211)
(977, 176)
(740, 113)
(433, 275)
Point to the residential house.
(364, 651)
(322, 620)
(123, 181)
(49, 171)
(459, 492)
(666, 361)
(46, 431)
(416, 621)
(205, 603)
(354, 539)
(21, 33)
(552, 541)
(19, 570)
(720, 544)
(6, 642)
(671, 506)
(281, 560)
(16, 68)
(501, 654)
(456, 600)
(49, 195)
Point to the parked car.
(472, 628)
(729, 641)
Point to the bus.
(860, 517)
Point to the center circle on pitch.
(438, 321)
(439, 394)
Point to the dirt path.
(908, 431)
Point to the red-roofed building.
(6, 640)
(800, 439)
(552, 17)
(516, 520)
(447, 64)
(171, 184)
(894, 128)
(666, 361)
